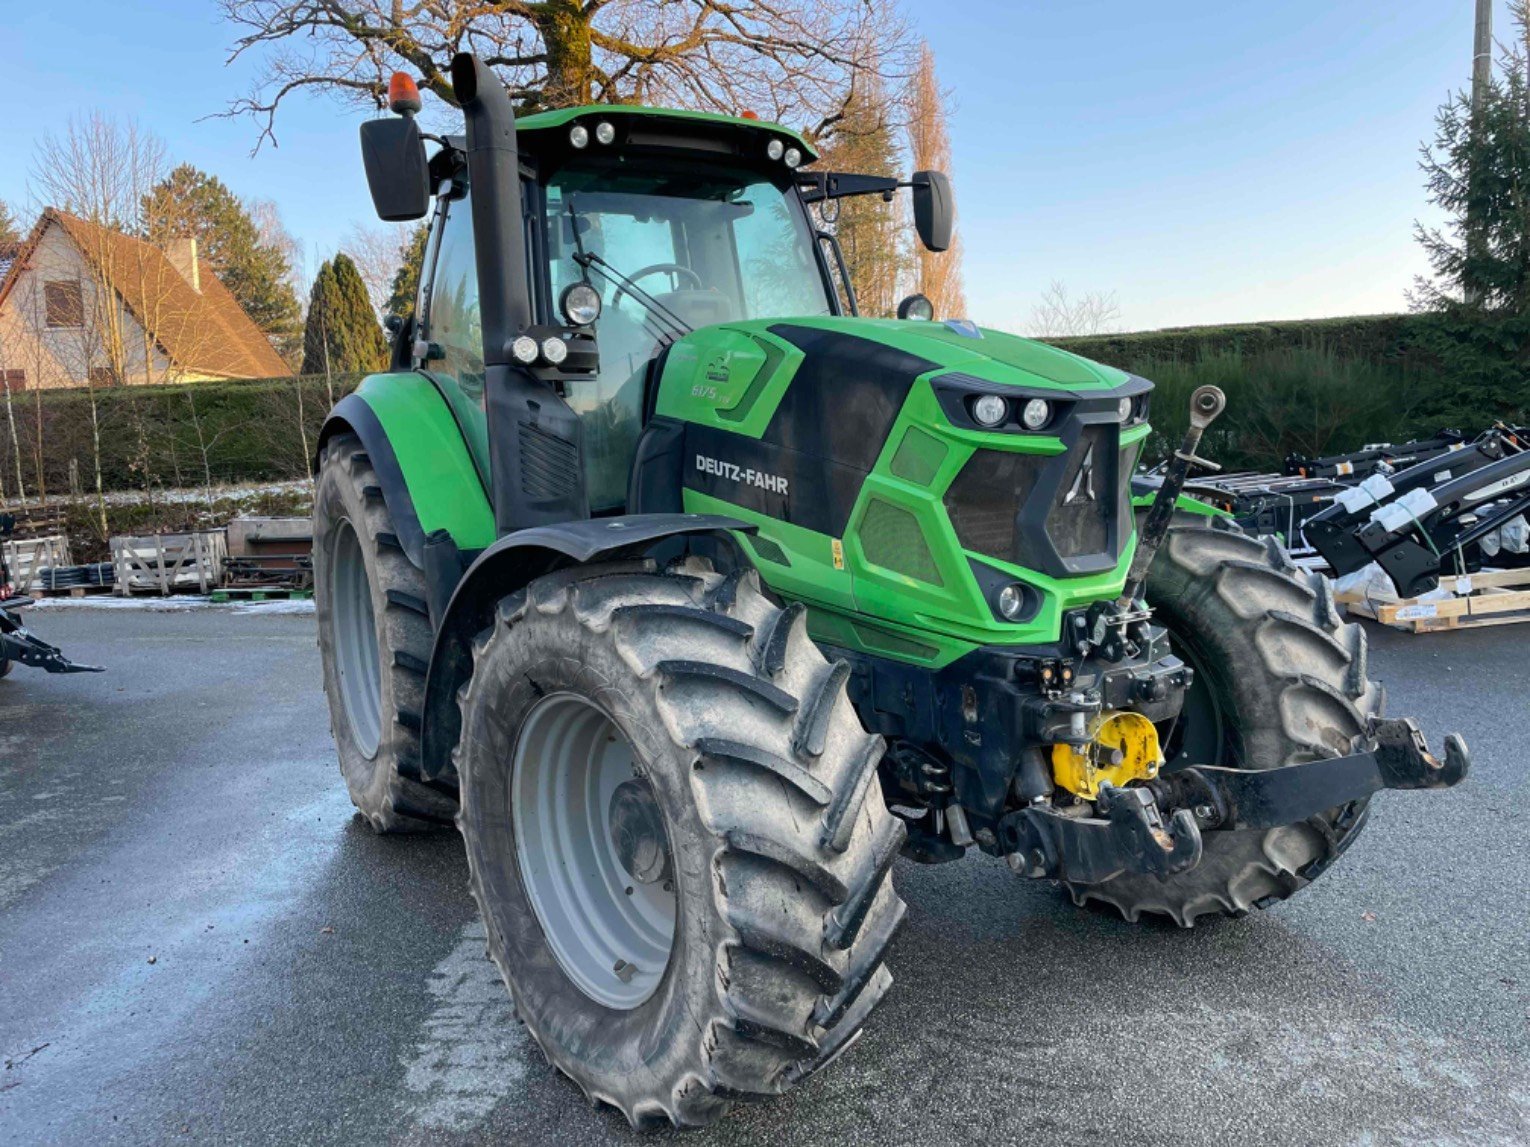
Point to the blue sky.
(1206, 160)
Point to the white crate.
(24, 557)
(163, 563)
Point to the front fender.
(511, 564)
(421, 459)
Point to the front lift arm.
(1156, 827)
(19, 645)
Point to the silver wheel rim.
(356, 660)
(611, 932)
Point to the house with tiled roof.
(82, 304)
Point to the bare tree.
(273, 233)
(937, 275)
(1060, 315)
(378, 252)
(790, 60)
(10, 420)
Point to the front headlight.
(990, 409)
(1036, 413)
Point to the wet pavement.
(199, 943)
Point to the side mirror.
(934, 209)
(394, 156)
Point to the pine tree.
(191, 203)
(1478, 172)
(342, 335)
(871, 232)
(407, 279)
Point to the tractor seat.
(698, 308)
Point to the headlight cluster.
(579, 135)
(526, 350)
(777, 150)
(994, 410)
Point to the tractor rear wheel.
(375, 638)
(675, 837)
(1280, 679)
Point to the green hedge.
(166, 436)
(1328, 385)
(1318, 386)
(1368, 338)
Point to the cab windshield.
(697, 245)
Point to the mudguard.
(429, 480)
(511, 564)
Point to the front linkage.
(1156, 828)
(18, 644)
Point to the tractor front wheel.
(1280, 680)
(675, 837)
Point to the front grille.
(1059, 514)
(984, 498)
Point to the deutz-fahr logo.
(775, 483)
(717, 369)
(1082, 489)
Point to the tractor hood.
(978, 352)
(984, 353)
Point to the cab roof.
(663, 121)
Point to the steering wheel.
(659, 269)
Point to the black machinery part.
(18, 644)
(1156, 828)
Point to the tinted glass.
(706, 244)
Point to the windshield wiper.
(677, 327)
(658, 312)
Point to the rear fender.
(511, 564)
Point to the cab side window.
(453, 323)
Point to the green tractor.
(694, 600)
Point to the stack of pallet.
(1498, 597)
(167, 563)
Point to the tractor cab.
(641, 226)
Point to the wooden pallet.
(74, 591)
(25, 556)
(265, 593)
(163, 563)
(1501, 597)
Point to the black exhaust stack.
(535, 440)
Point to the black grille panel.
(1061, 514)
(984, 498)
(549, 463)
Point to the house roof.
(205, 330)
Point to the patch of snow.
(181, 603)
(470, 1049)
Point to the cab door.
(448, 346)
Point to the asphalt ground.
(198, 943)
